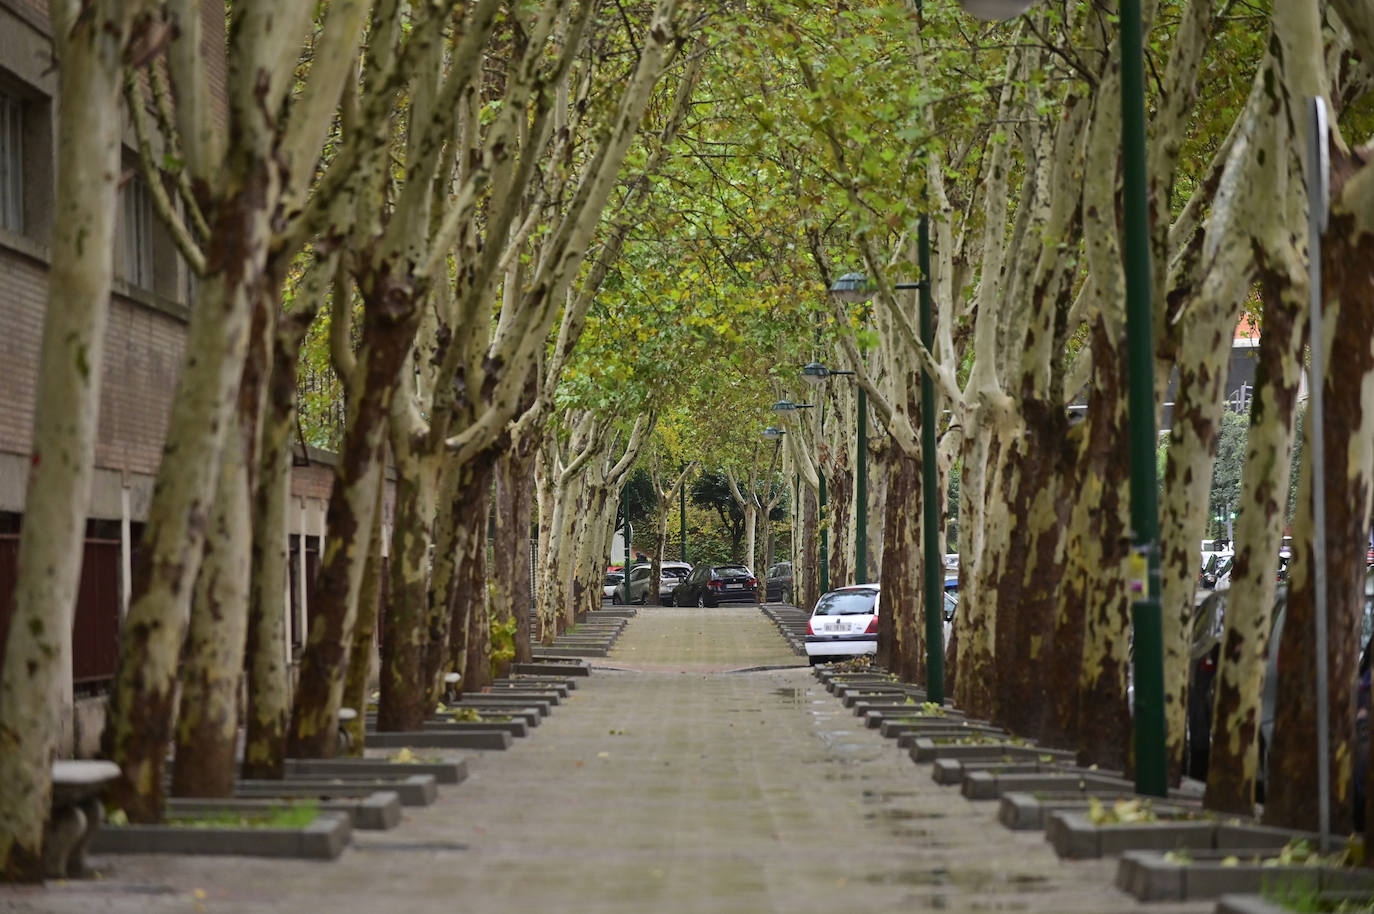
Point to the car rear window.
(673, 573)
(736, 570)
(845, 603)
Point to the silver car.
(670, 575)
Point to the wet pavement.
(701, 768)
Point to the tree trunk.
(837, 512)
(1203, 352)
(372, 599)
(139, 721)
(37, 657)
(900, 624)
(269, 696)
(467, 597)
(806, 582)
(352, 504)
(510, 568)
(1032, 564)
(1098, 584)
(208, 722)
(1233, 762)
(405, 703)
(1349, 447)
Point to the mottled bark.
(901, 631)
(405, 703)
(89, 41)
(467, 595)
(207, 720)
(1096, 576)
(1233, 761)
(388, 326)
(510, 584)
(806, 589)
(269, 697)
(372, 599)
(1031, 566)
(1348, 323)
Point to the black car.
(711, 585)
(777, 585)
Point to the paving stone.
(697, 772)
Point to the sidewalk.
(667, 784)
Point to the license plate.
(837, 627)
(734, 586)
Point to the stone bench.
(76, 814)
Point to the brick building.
(144, 342)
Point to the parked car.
(670, 575)
(711, 585)
(844, 624)
(1209, 624)
(608, 584)
(777, 584)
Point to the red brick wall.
(24, 284)
(143, 351)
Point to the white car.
(844, 624)
(608, 584)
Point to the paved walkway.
(707, 771)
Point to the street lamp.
(815, 373)
(787, 406)
(772, 433)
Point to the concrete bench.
(76, 814)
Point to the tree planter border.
(322, 839)
(1029, 811)
(1074, 837)
(551, 667)
(378, 811)
(413, 789)
(453, 771)
(991, 785)
(924, 749)
(1146, 875)
(486, 738)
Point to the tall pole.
(625, 503)
(934, 564)
(861, 496)
(1151, 771)
(682, 516)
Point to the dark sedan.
(711, 585)
(777, 585)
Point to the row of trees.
(834, 130)
(539, 243)
(443, 187)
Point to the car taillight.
(809, 629)
(752, 583)
(872, 626)
(1208, 664)
(715, 585)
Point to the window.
(138, 234)
(11, 163)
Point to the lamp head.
(815, 373)
(773, 433)
(783, 406)
(852, 287)
(995, 9)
